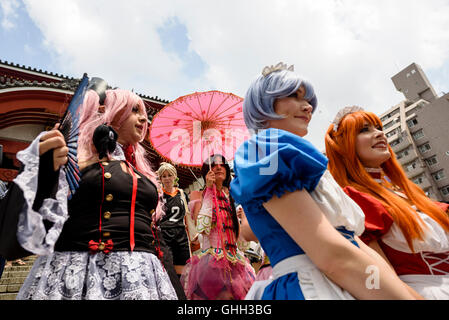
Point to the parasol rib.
(232, 106)
(210, 102)
(231, 114)
(201, 107)
(185, 100)
(219, 106)
(182, 112)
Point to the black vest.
(90, 204)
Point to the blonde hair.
(165, 166)
(348, 170)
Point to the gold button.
(152, 211)
(101, 246)
(108, 175)
(107, 215)
(106, 234)
(109, 197)
(105, 163)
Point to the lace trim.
(74, 275)
(118, 153)
(31, 232)
(219, 253)
(203, 224)
(204, 220)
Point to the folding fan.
(69, 127)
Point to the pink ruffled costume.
(219, 271)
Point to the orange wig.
(348, 170)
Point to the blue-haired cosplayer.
(276, 162)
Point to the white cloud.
(349, 49)
(9, 8)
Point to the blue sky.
(348, 49)
(22, 42)
(174, 39)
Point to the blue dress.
(272, 163)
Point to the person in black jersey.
(173, 222)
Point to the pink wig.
(118, 106)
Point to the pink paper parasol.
(191, 128)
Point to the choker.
(375, 173)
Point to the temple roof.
(15, 78)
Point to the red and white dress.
(219, 271)
(427, 269)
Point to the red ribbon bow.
(129, 155)
(94, 246)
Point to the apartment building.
(418, 131)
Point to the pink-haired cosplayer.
(102, 243)
(119, 107)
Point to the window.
(418, 134)
(412, 123)
(392, 133)
(424, 148)
(403, 153)
(445, 191)
(439, 175)
(413, 71)
(416, 107)
(388, 125)
(411, 166)
(418, 180)
(432, 161)
(408, 75)
(396, 142)
(389, 115)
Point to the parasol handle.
(197, 180)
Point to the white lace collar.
(118, 153)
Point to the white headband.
(342, 113)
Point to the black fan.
(69, 127)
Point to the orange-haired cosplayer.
(407, 228)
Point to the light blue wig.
(258, 106)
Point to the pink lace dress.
(219, 271)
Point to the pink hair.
(118, 106)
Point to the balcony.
(402, 145)
(393, 137)
(408, 158)
(415, 172)
(415, 128)
(442, 182)
(425, 184)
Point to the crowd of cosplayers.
(285, 223)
